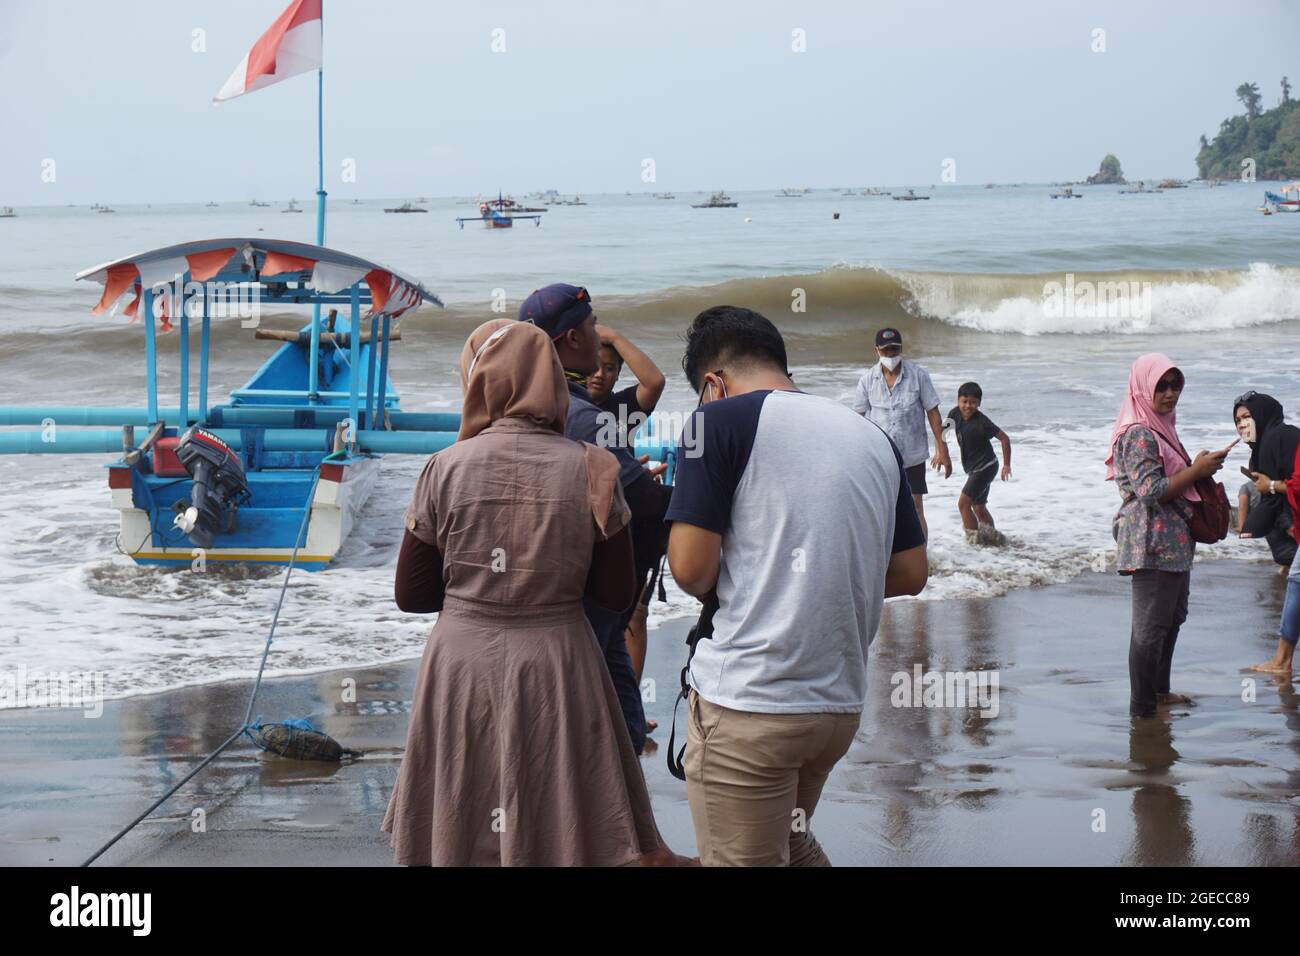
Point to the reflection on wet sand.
(1216, 782)
(1162, 817)
(1274, 841)
(945, 785)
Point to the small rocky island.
(1110, 172)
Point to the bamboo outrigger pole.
(343, 339)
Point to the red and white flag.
(291, 45)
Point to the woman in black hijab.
(1273, 445)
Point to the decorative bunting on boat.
(117, 279)
(327, 271)
(330, 277)
(205, 265)
(133, 307)
(389, 295)
(378, 282)
(164, 322)
(162, 272)
(278, 263)
(291, 45)
(162, 276)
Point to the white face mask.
(1247, 430)
(890, 361)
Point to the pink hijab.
(1139, 409)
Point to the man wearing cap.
(899, 397)
(564, 313)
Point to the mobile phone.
(1246, 471)
(1231, 445)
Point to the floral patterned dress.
(1149, 535)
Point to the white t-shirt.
(811, 501)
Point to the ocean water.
(967, 276)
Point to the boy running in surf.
(975, 432)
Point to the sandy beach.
(1215, 784)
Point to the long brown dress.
(517, 752)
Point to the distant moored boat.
(499, 213)
(718, 200)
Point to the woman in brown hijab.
(517, 752)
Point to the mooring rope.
(244, 728)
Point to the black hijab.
(1271, 453)
(1273, 450)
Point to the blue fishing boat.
(1286, 201)
(498, 214)
(301, 440)
(279, 472)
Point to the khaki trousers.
(753, 781)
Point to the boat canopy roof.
(288, 272)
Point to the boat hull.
(1287, 202)
(337, 500)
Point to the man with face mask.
(899, 397)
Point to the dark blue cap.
(888, 337)
(556, 308)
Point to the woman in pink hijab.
(1155, 476)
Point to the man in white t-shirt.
(798, 513)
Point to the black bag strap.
(656, 580)
(702, 629)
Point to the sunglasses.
(1244, 398)
(1163, 386)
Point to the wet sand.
(1216, 783)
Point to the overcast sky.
(712, 91)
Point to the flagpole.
(313, 368)
(320, 157)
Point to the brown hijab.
(509, 369)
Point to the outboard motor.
(219, 486)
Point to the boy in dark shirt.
(629, 408)
(637, 400)
(975, 432)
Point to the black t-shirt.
(647, 498)
(624, 405)
(975, 437)
(584, 424)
